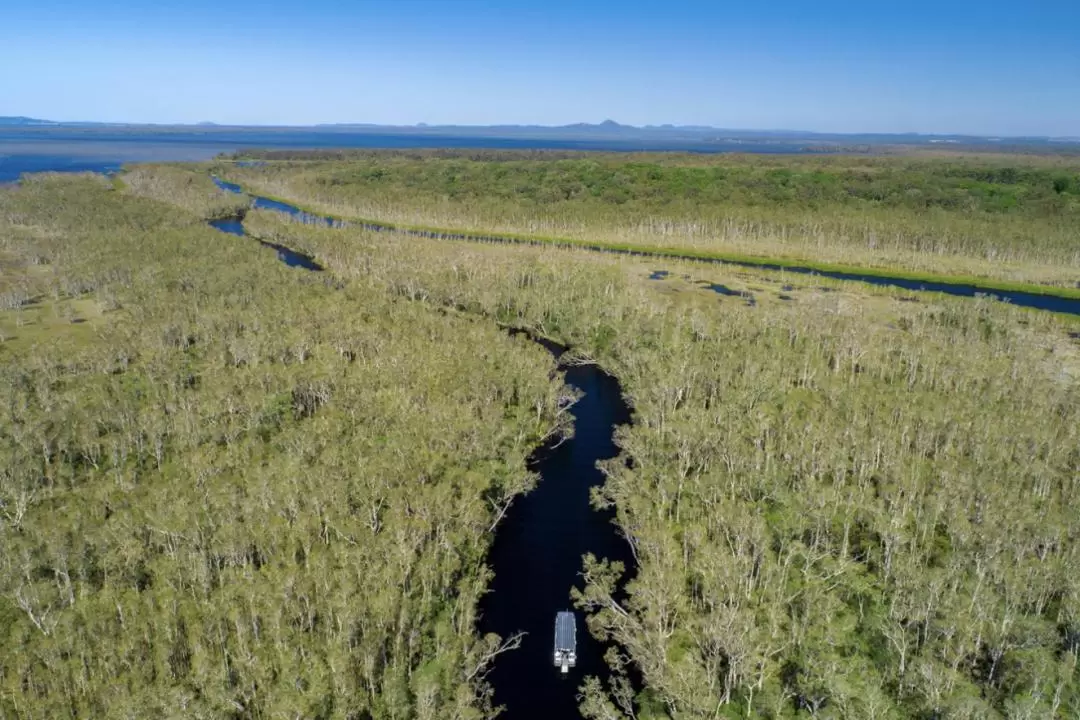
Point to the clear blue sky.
(988, 67)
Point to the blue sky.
(986, 67)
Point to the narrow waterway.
(235, 226)
(1037, 301)
(537, 557)
(539, 545)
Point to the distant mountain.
(609, 131)
(19, 120)
(606, 126)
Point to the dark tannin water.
(537, 558)
(1070, 306)
(723, 290)
(235, 226)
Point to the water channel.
(537, 556)
(235, 226)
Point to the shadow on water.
(537, 556)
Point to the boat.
(565, 641)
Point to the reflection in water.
(233, 226)
(227, 186)
(292, 258)
(262, 203)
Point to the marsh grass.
(194, 192)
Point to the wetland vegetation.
(233, 489)
(1004, 218)
(242, 490)
(842, 504)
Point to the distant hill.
(611, 132)
(19, 120)
(607, 126)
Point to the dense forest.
(235, 489)
(232, 489)
(1008, 217)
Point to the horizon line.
(29, 121)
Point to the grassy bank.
(1009, 220)
(194, 192)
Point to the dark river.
(537, 558)
(537, 552)
(235, 226)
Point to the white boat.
(565, 641)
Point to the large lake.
(38, 149)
